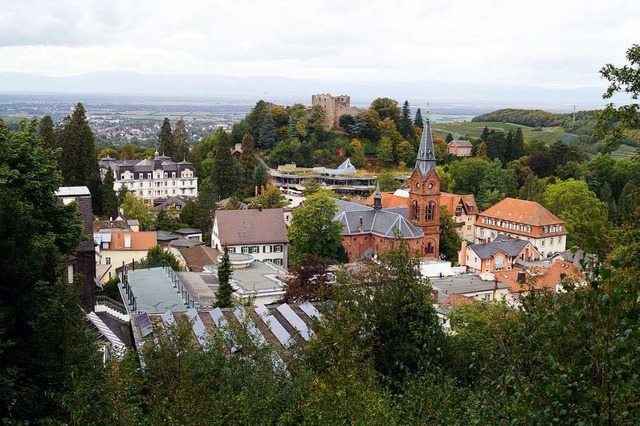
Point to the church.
(367, 231)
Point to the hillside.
(581, 124)
(473, 129)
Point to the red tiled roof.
(542, 277)
(143, 240)
(521, 211)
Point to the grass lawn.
(548, 135)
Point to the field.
(548, 135)
(624, 151)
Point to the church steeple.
(426, 159)
(377, 198)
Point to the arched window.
(431, 211)
(429, 248)
(416, 210)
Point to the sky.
(558, 44)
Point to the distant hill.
(581, 124)
(461, 130)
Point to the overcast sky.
(554, 44)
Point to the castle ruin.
(334, 107)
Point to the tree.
(384, 152)
(259, 176)
(405, 126)
(267, 136)
(449, 138)
(614, 120)
(484, 137)
(135, 208)
(497, 145)
(46, 132)
(406, 153)
(308, 281)
(181, 141)
(418, 122)
(247, 164)
(516, 150)
(386, 108)
(157, 256)
(311, 186)
(224, 173)
(313, 229)
(450, 240)
(316, 116)
(166, 141)
(108, 197)
(357, 153)
(387, 182)
(38, 234)
(346, 122)
(225, 290)
(298, 126)
(573, 202)
(78, 161)
(272, 198)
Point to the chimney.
(260, 207)
(462, 254)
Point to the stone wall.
(334, 107)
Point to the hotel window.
(107, 261)
(278, 248)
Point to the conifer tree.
(260, 176)
(247, 164)
(485, 134)
(405, 126)
(46, 132)
(267, 136)
(418, 121)
(78, 161)
(225, 290)
(109, 198)
(181, 138)
(449, 138)
(224, 173)
(166, 141)
(517, 147)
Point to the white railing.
(111, 307)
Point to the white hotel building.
(152, 179)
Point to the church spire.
(377, 198)
(426, 159)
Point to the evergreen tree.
(418, 121)
(247, 164)
(225, 290)
(497, 145)
(405, 126)
(166, 141)
(517, 147)
(267, 137)
(224, 173)
(259, 176)
(485, 134)
(181, 141)
(449, 138)
(46, 132)
(78, 161)
(256, 117)
(109, 198)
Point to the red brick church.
(368, 231)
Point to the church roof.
(359, 219)
(426, 159)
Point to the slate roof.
(426, 158)
(346, 168)
(382, 222)
(236, 227)
(137, 166)
(464, 284)
(521, 211)
(510, 246)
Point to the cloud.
(542, 43)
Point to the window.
(431, 210)
(278, 248)
(266, 249)
(416, 210)
(468, 227)
(277, 261)
(107, 261)
(250, 249)
(148, 175)
(105, 245)
(173, 174)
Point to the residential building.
(84, 260)
(551, 276)
(471, 286)
(153, 179)
(501, 254)
(460, 148)
(525, 220)
(118, 247)
(262, 233)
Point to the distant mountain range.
(289, 90)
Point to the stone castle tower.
(334, 107)
(424, 194)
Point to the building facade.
(460, 148)
(152, 179)
(464, 210)
(503, 254)
(525, 220)
(262, 233)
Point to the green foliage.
(450, 240)
(224, 292)
(108, 197)
(418, 121)
(387, 182)
(313, 229)
(260, 176)
(386, 108)
(157, 256)
(166, 141)
(405, 125)
(384, 153)
(487, 180)
(573, 202)
(136, 208)
(46, 132)
(298, 126)
(247, 164)
(78, 161)
(169, 221)
(181, 141)
(224, 175)
(267, 136)
(272, 198)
